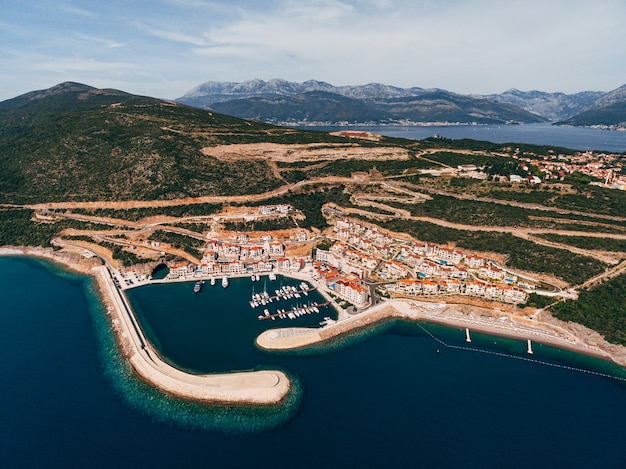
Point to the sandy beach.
(548, 330)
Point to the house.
(514, 294)
(475, 287)
(283, 263)
(491, 272)
(355, 293)
(233, 267)
(181, 270)
(276, 249)
(474, 261)
(211, 268)
(409, 286)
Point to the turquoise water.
(385, 399)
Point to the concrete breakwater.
(263, 387)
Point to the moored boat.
(224, 282)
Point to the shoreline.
(553, 332)
(268, 387)
(264, 387)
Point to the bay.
(383, 399)
(577, 138)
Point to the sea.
(395, 395)
(398, 395)
(576, 138)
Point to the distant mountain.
(316, 101)
(444, 106)
(313, 106)
(552, 106)
(609, 111)
(211, 92)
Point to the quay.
(263, 387)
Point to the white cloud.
(106, 42)
(467, 46)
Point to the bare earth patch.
(300, 152)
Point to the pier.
(283, 293)
(294, 312)
(467, 335)
(530, 347)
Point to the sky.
(163, 48)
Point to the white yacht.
(224, 281)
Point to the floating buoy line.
(517, 357)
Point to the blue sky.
(163, 48)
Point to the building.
(355, 293)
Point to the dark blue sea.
(576, 138)
(385, 398)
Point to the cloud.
(76, 11)
(467, 46)
(106, 42)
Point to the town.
(358, 263)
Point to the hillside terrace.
(422, 268)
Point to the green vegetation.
(136, 214)
(588, 242)
(310, 203)
(522, 149)
(539, 301)
(345, 167)
(18, 229)
(80, 144)
(269, 224)
(127, 258)
(324, 244)
(602, 309)
(522, 254)
(190, 245)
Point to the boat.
(272, 276)
(224, 282)
(198, 286)
(253, 277)
(212, 280)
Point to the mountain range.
(285, 102)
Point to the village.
(358, 262)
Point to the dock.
(467, 335)
(530, 347)
(295, 312)
(284, 293)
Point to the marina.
(285, 292)
(294, 312)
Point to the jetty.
(283, 293)
(297, 311)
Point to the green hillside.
(74, 142)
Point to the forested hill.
(75, 142)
